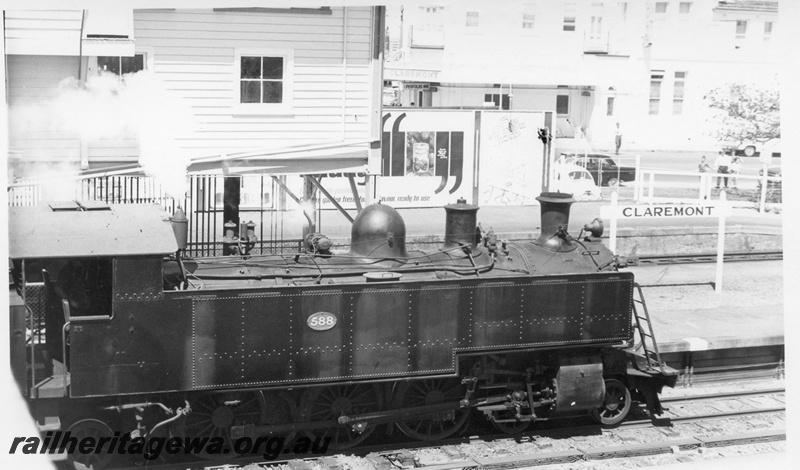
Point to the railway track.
(705, 258)
(718, 406)
(675, 433)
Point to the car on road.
(750, 149)
(604, 170)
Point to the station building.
(224, 81)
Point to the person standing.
(703, 166)
(723, 163)
(618, 139)
(735, 169)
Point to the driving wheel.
(437, 425)
(280, 409)
(328, 404)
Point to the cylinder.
(580, 387)
(460, 225)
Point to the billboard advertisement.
(429, 158)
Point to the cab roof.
(87, 229)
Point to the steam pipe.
(180, 412)
(311, 224)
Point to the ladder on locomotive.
(645, 328)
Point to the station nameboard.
(665, 211)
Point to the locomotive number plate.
(322, 321)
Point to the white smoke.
(135, 111)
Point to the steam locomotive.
(115, 331)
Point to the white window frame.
(565, 95)
(529, 17)
(147, 61)
(569, 23)
(473, 19)
(679, 92)
(741, 34)
(657, 78)
(768, 30)
(285, 107)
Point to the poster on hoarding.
(427, 160)
(427, 157)
(511, 157)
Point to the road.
(687, 162)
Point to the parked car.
(603, 168)
(771, 148)
(749, 149)
(575, 180)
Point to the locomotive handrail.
(65, 372)
(476, 270)
(85, 318)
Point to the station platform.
(689, 315)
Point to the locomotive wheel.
(436, 426)
(95, 429)
(213, 415)
(616, 404)
(280, 409)
(330, 403)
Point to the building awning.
(414, 65)
(108, 31)
(568, 75)
(334, 157)
(315, 159)
(744, 9)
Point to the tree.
(745, 112)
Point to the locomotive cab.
(71, 265)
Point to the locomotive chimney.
(555, 221)
(460, 225)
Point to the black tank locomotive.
(125, 335)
